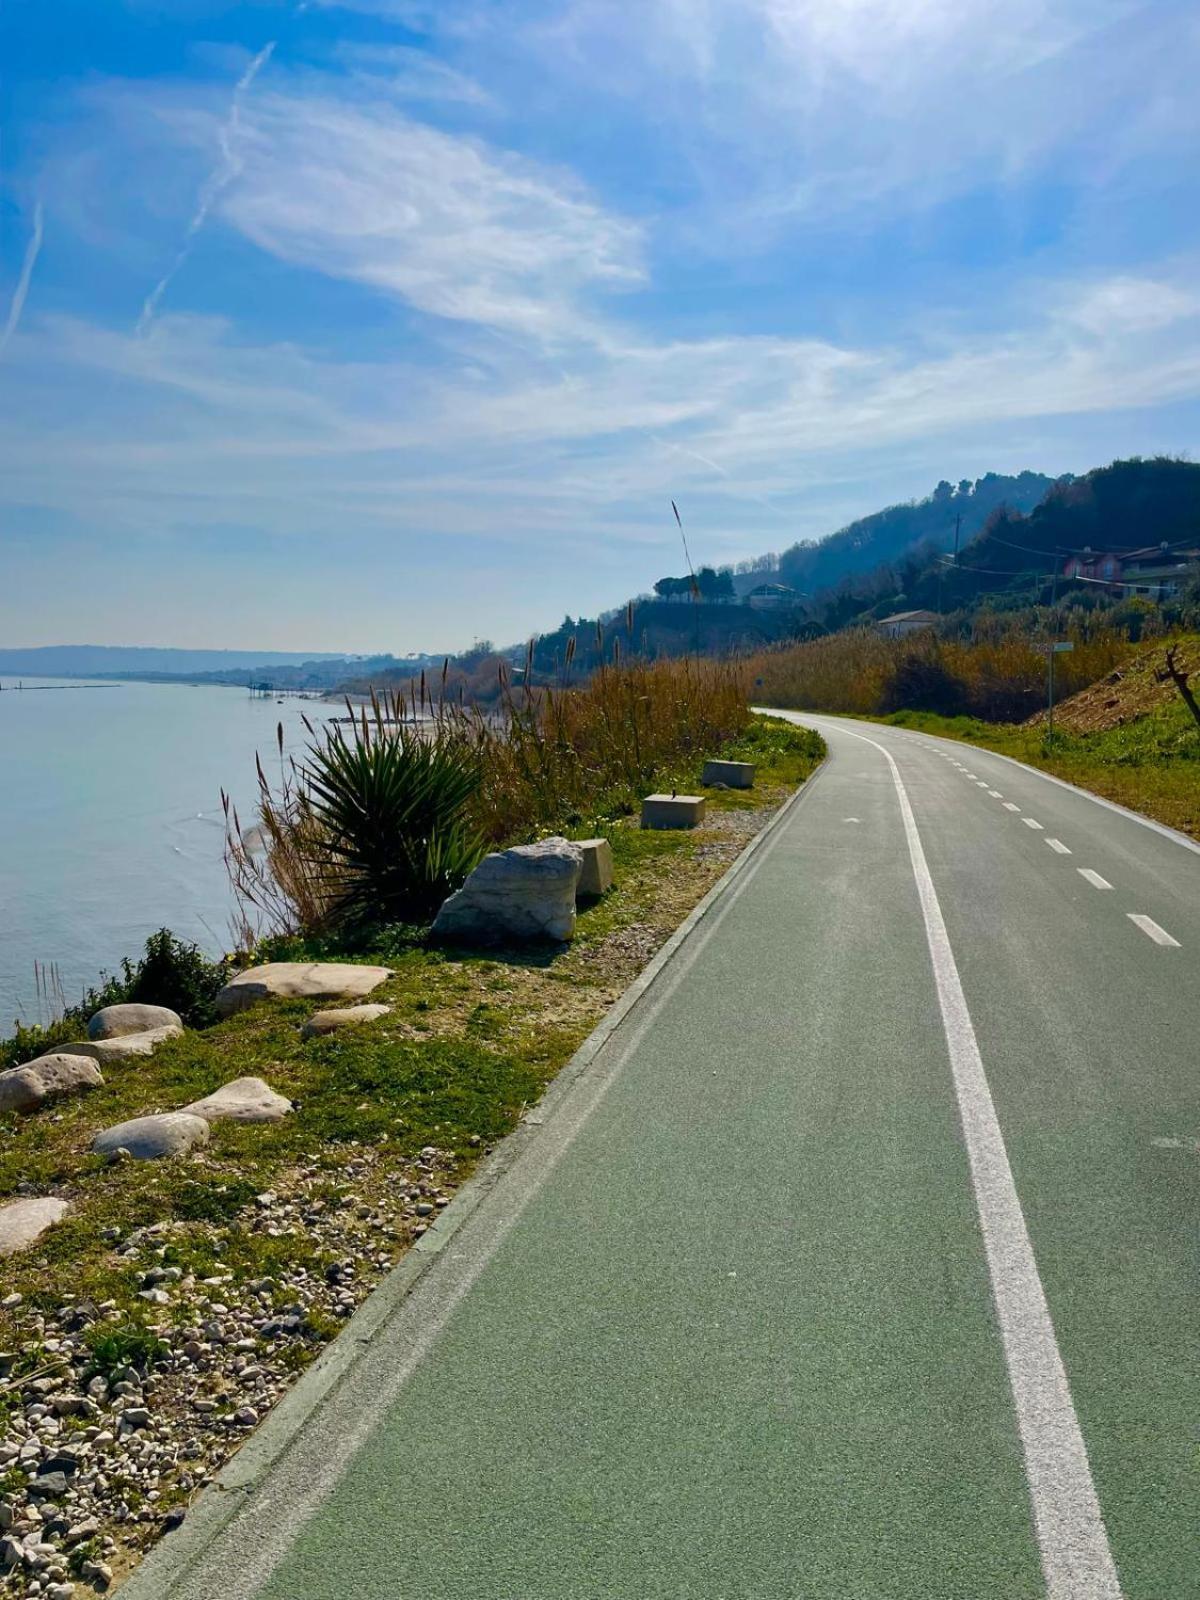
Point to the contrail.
(22, 289)
(217, 181)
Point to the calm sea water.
(111, 824)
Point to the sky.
(392, 324)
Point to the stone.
(524, 893)
(733, 774)
(24, 1088)
(298, 980)
(322, 1022)
(23, 1221)
(125, 1045)
(596, 873)
(672, 810)
(115, 1022)
(170, 1133)
(51, 1484)
(242, 1100)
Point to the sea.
(111, 823)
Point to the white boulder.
(115, 1022)
(525, 893)
(124, 1045)
(23, 1221)
(298, 980)
(47, 1078)
(169, 1133)
(322, 1022)
(242, 1100)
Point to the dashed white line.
(981, 782)
(1094, 878)
(970, 775)
(1057, 844)
(1031, 822)
(1011, 805)
(995, 794)
(1151, 929)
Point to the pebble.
(103, 1451)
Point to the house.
(771, 597)
(905, 622)
(1155, 571)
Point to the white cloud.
(458, 229)
(202, 425)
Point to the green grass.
(1151, 764)
(471, 1042)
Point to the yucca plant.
(391, 808)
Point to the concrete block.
(596, 877)
(733, 774)
(672, 810)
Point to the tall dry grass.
(998, 678)
(550, 758)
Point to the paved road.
(863, 1263)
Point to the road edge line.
(1077, 1562)
(173, 1559)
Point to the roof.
(909, 616)
(772, 588)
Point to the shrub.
(171, 973)
(373, 827)
(176, 974)
(390, 808)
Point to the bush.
(373, 828)
(390, 808)
(170, 973)
(176, 974)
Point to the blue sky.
(388, 324)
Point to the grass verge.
(200, 1286)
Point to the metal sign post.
(1057, 648)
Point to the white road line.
(981, 783)
(1031, 823)
(1151, 929)
(1076, 1560)
(995, 794)
(1094, 878)
(970, 775)
(1011, 805)
(1057, 844)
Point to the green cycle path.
(862, 1261)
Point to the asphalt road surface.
(863, 1263)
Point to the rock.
(672, 810)
(527, 892)
(298, 980)
(243, 1100)
(23, 1221)
(106, 1051)
(322, 1022)
(51, 1484)
(596, 873)
(23, 1088)
(116, 1022)
(170, 1133)
(733, 774)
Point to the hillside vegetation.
(999, 675)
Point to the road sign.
(1058, 648)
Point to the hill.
(890, 535)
